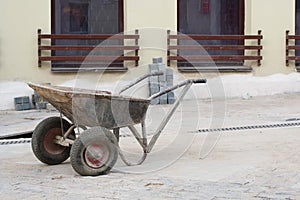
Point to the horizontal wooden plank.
(87, 69)
(216, 68)
(293, 58)
(215, 57)
(214, 47)
(87, 36)
(87, 58)
(83, 47)
(293, 37)
(215, 37)
(296, 47)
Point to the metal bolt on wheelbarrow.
(100, 115)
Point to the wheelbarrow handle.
(183, 83)
(198, 81)
(140, 79)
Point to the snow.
(10, 90)
(227, 86)
(245, 85)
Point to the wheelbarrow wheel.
(42, 142)
(94, 152)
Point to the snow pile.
(244, 86)
(10, 90)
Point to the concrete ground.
(14, 123)
(184, 164)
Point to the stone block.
(157, 60)
(153, 68)
(38, 101)
(155, 101)
(171, 100)
(161, 78)
(153, 90)
(22, 100)
(163, 99)
(153, 80)
(162, 84)
(41, 105)
(169, 77)
(24, 106)
(162, 67)
(171, 97)
(169, 80)
(169, 71)
(22, 103)
(169, 84)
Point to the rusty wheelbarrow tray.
(101, 115)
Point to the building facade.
(20, 21)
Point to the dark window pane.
(212, 17)
(87, 16)
(78, 17)
(209, 16)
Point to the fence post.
(168, 47)
(136, 51)
(259, 51)
(287, 48)
(39, 31)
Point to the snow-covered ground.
(228, 86)
(10, 90)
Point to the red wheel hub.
(49, 144)
(96, 155)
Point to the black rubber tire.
(103, 139)
(46, 151)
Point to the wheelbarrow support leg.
(116, 132)
(141, 140)
(167, 118)
(138, 137)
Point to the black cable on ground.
(19, 141)
(251, 127)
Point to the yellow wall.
(20, 19)
(152, 18)
(273, 17)
(18, 40)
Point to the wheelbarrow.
(97, 116)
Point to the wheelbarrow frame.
(64, 139)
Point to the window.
(213, 17)
(83, 17)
